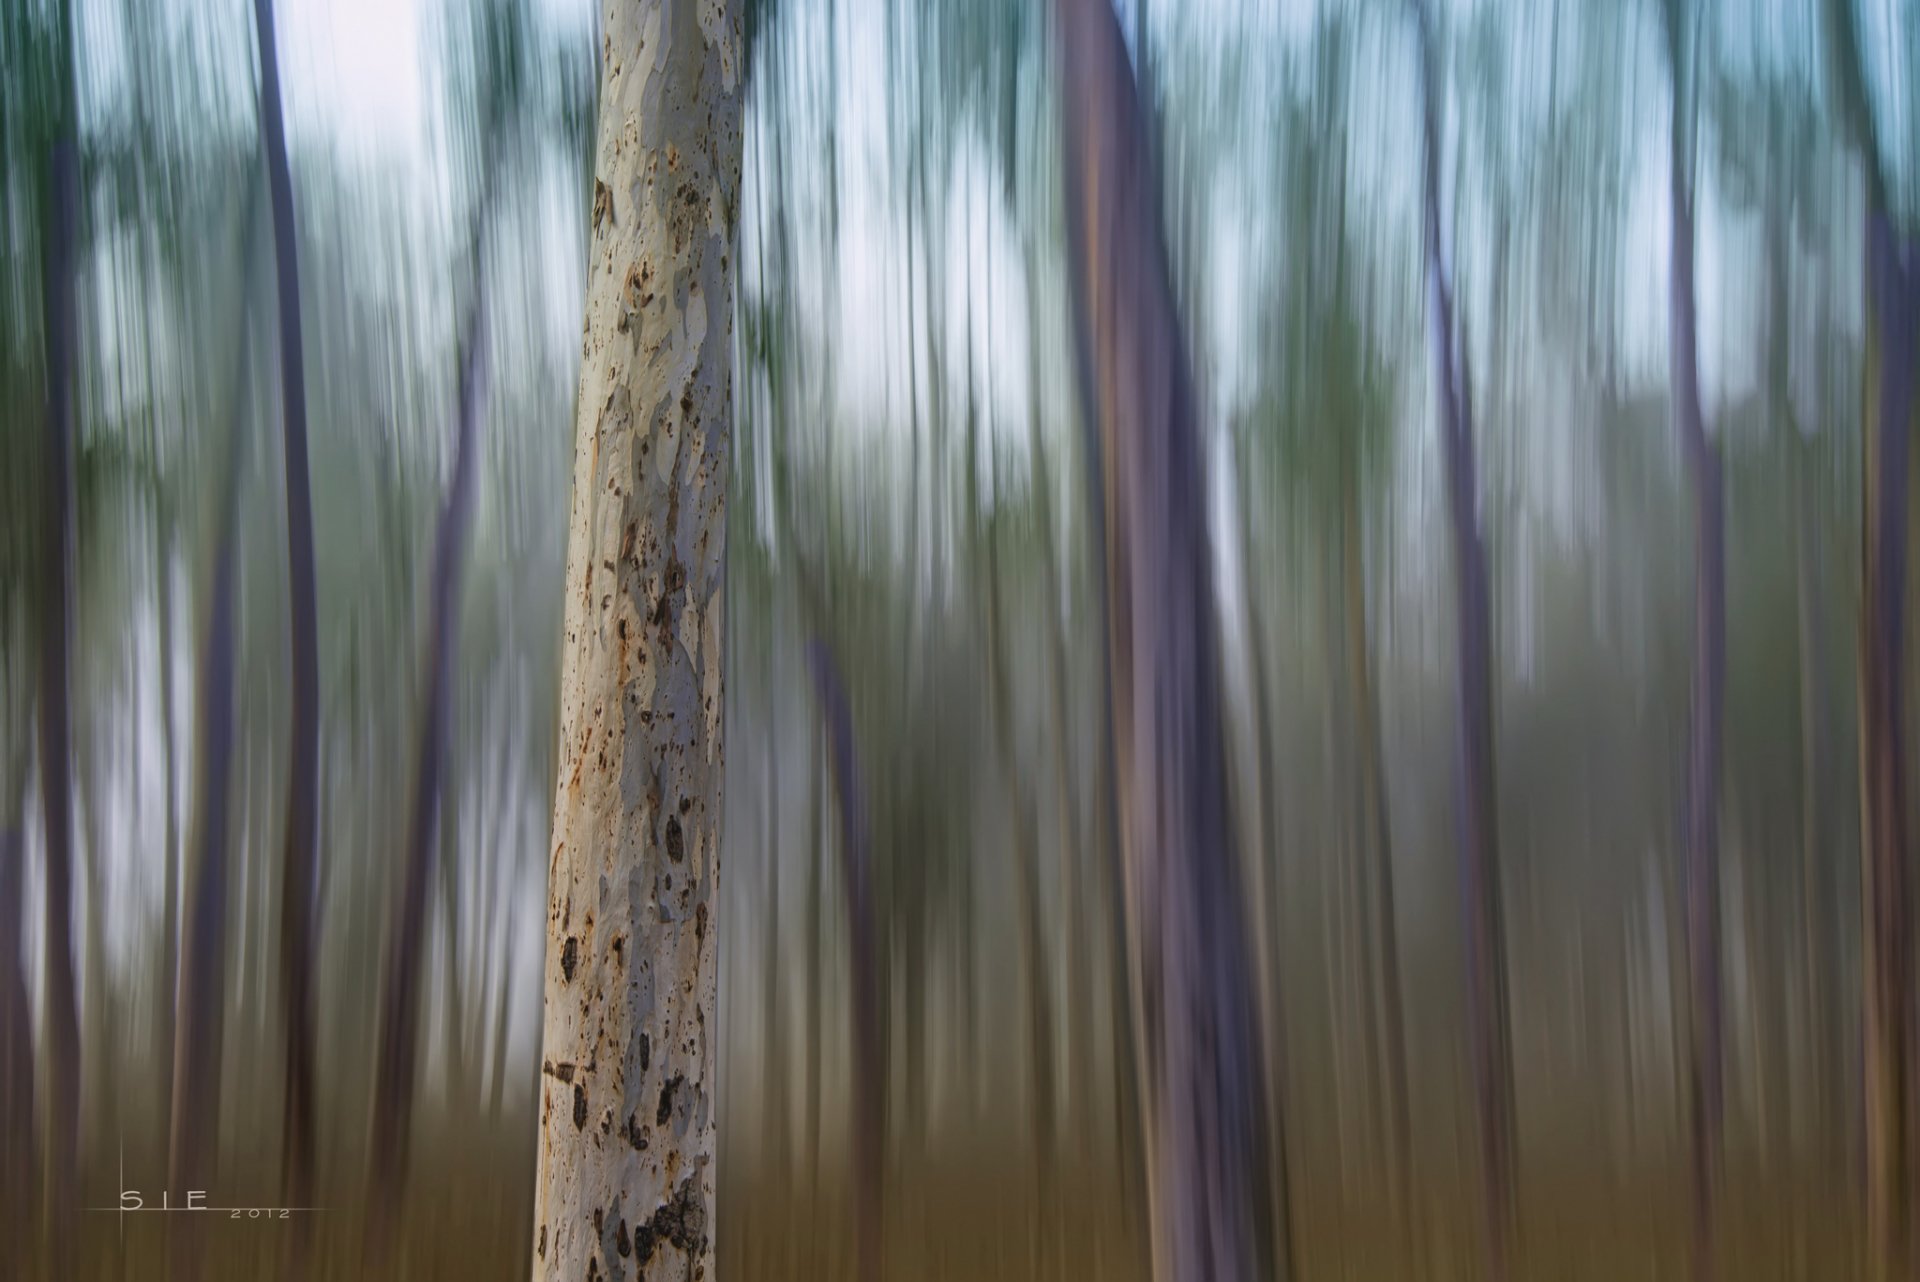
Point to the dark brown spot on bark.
(646, 1052)
(541, 1249)
(622, 1240)
(676, 840)
(579, 1107)
(569, 958)
(665, 1110)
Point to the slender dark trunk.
(298, 858)
(400, 999)
(1709, 650)
(201, 996)
(1376, 836)
(1026, 880)
(1893, 293)
(17, 1150)
(816, 949)
(1477, 815)
(869, 1069)
(62, 1020)
(1197, 1037)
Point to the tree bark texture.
(627, 1086)
(1197, 1036)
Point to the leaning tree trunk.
(1477, 817)
(297, 857)
(1197, 1037)
(627, 1091)
(1702, 794)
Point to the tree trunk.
(201, 996)
(856, 868)
(1477, 814)
(1893, 290)
(400, 999)
(298, 859)
(1376, 836)
(62, 1019)
(1702, 795)
(627, 1087)
(1197, 1036)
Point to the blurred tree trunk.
(202, 996)
(627, 1100)
(869, 1086)
(400, 998)
(1026, 881)
(60, 230)
(1702, 795)
(298, 858)
(1477, 824)
(18, 1177)
(1197, 1033)
(1376, 837)
(816, 949)
(774, 1081)
(1891, 293)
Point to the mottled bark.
(303, 781)
(1702, 794)
(627, 1087)
(61, 1019)
(856, 873)
(1476, 826)
(1197, 1036)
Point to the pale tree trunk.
(1197, 1036)
(1477, 815)
(627, 1087)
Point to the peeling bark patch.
(676, 841)
(665, 1110)
(579, 1107)
(636, 1134)
(541, 1249)
(646, 1052)
(682, 1222)
(569, 957)
(562, 1071)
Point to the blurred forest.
(914, 519)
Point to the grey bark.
(627, 1087)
